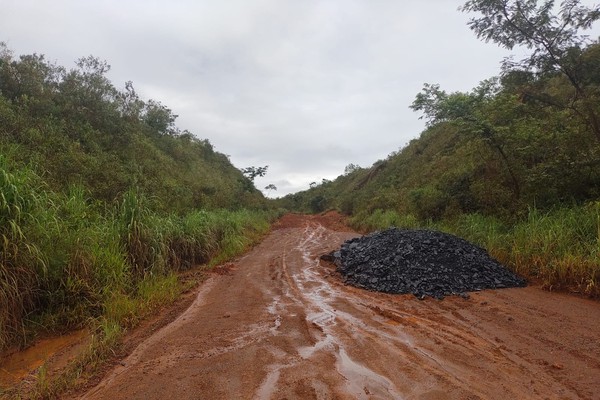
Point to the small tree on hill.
(270, 187)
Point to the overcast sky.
(304, 86)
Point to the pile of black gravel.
(422, 262)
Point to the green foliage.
(380, 219)
(67, 259)
(556, 44)
(532, 25)
(270, 187)
(103, 200)
(75, 127)
(558, 247)
(22, 266)
(513, 164)
(252, 172)
(318, 204)
(350, 168)
(427, 202)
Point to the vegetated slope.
(510, 165)
(447, 172)
(103, 199)
(75, 127)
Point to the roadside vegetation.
(103, 203)
(69, 263)
(513, 164)
(104, 200)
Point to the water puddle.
(273, 309)
(362, 382)
(18, 365)
(318, 297)
(269, 385)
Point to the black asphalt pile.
(422, 262)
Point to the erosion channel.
(279, 323)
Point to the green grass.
(381, 219)
(69, 262)
(21, 263)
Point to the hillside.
(513, 164)
(75, 127)
(103, 202)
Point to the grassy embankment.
(68, 262)
(559, 248)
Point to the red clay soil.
(279, 324)
(332, 220)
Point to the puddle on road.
(363, 382)
(273, 309)
(327, 342)
(318, 296)
(270, 383)
(18, 365)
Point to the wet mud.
(280, 324)
(17, 366)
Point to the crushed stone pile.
(422, 262)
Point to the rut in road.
(306, 288)
(279, 324)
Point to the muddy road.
(278, 324)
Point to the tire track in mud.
(282, 325)
(315, 294)
(343, 329)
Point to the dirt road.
(278, 324)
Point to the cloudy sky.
(304, 86)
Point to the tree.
(553, 37)
(318, 204)
(473, 113)
(253, 172)
(350, 168)
(270, 187)
(129, 102)
(160, 118)
(438, 106)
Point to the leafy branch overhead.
(556, 42)
(511, 23)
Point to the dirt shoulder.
(278, 323)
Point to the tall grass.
(67, 261)
(382, 219)
(21, 263)
(558, 248)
